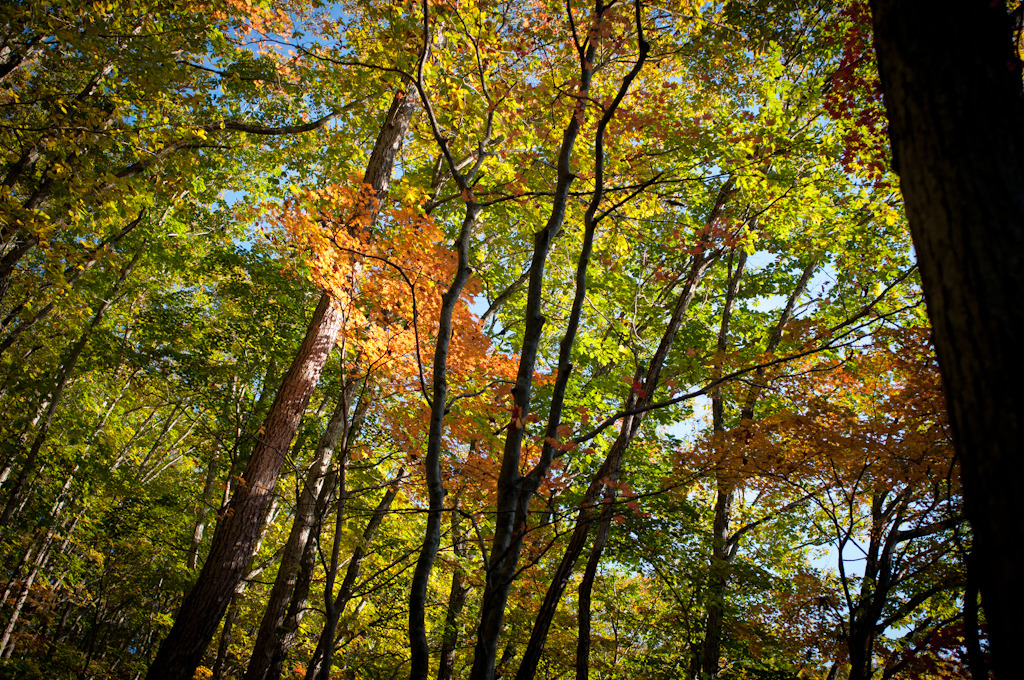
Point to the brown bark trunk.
(233, 540)
(239, 528)
(952, 84)
(302, 527)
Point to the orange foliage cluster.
(807, 612)
(878, 417)
(389, 291)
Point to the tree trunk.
(57, 393)
(952, 84)
(586, 589)
(588, 513)
(514, 490)
(239, 528)
(718, 573)
(289, 630)
(717, 580)
(320, 664)
(233, 540)
(724, 542)
(217, 672)
(302, 527)
(972, 638)
(456, 601)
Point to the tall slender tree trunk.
(320, 665)
(233, 540)
(301, 531)
(723, 543)
(951, 78)
(588, 512)
(586, 589)
(289, 629)
(718, 577)
(457, 596)
(514, 490)
(224, 642)
(725, 490)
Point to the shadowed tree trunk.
(951, 78)
(320, 664)
(725, 543)
(456, 601)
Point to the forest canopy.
(465, 339)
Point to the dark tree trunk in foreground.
(952, 84)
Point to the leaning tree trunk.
(56, 394)
(586, 589)
(235, 536)
(320, 663)
(951, 78)
(303, 524)
(239, 528)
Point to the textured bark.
(231, 549)
(303, 523)
(952, 85)
(239, 528)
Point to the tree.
(953, 94)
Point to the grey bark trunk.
(303, 524)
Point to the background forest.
(465, 339)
